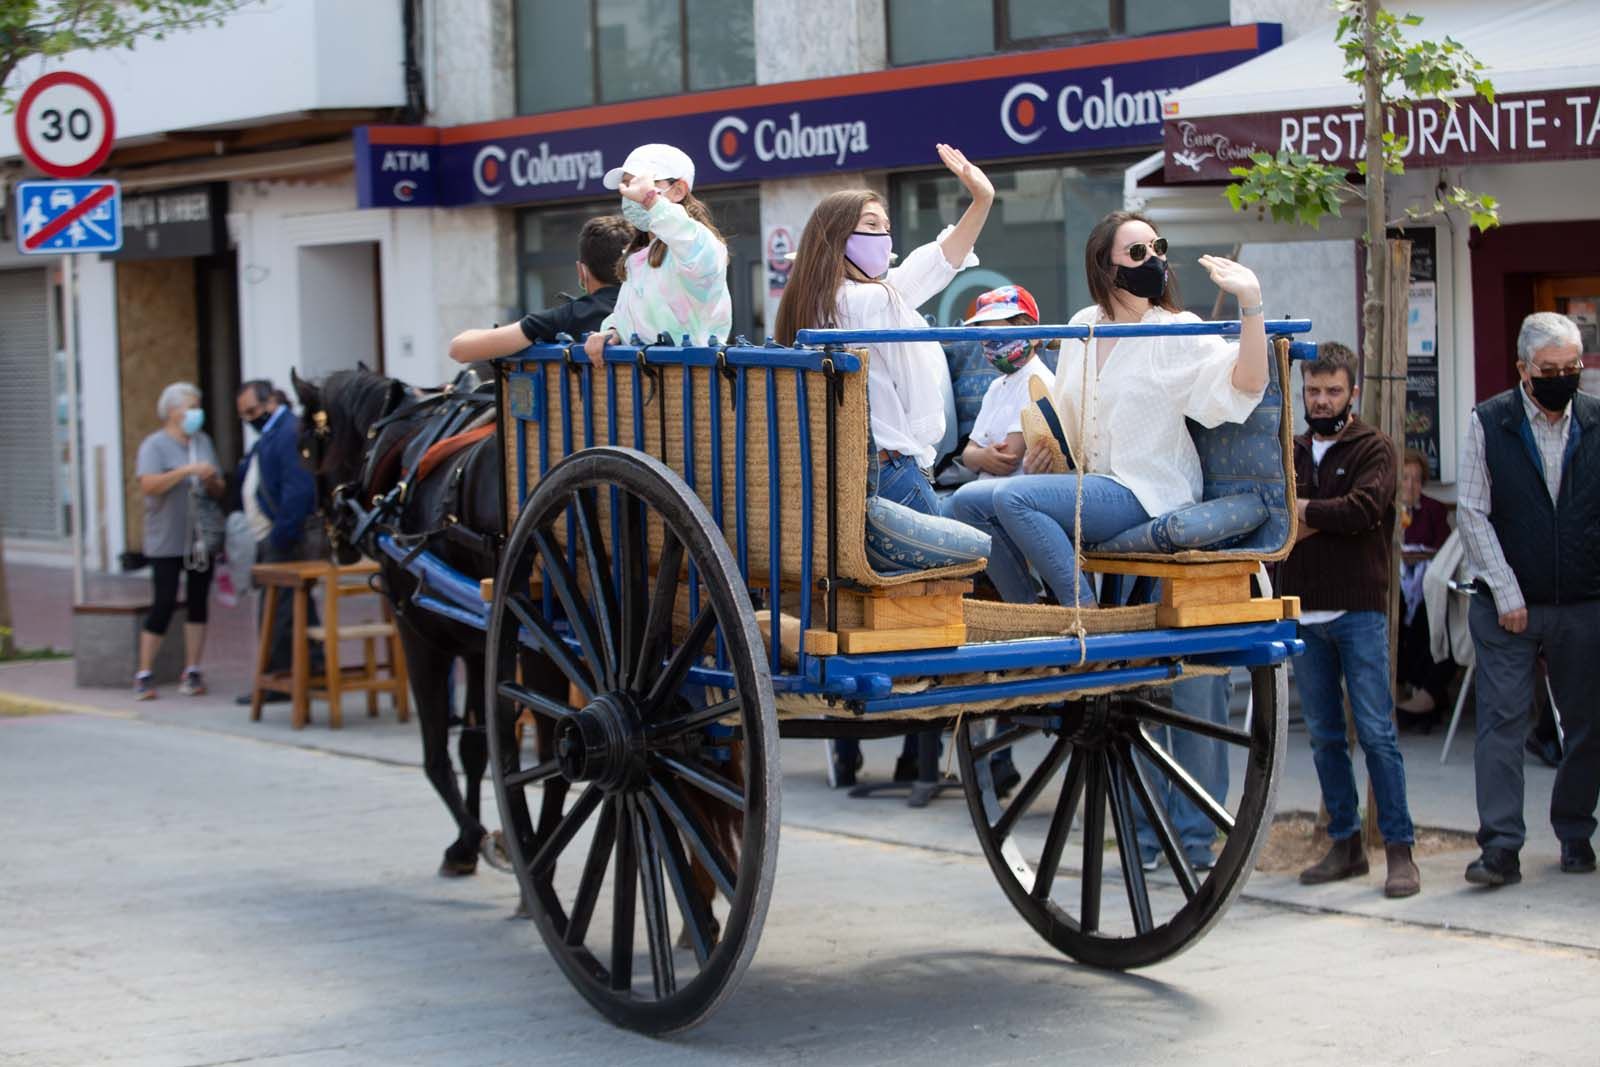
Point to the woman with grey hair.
(177, 471)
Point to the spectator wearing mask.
(1340, 569)
(176, 466)
(1528, 509)
(277, 495)
(602, 243)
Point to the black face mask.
(1554, 394)
(1328, 425)
(260, 422)
(1148, 280)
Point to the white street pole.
(69, 316)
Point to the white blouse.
(1131, 427)
(907, 405)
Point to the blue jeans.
(973, 504)
(1206, 760)
(1030, 518)
(902, 481)
(1356, 644)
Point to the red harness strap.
(443, 450)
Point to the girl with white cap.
(675, 274)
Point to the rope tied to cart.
(1077, 628)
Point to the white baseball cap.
(660, 161)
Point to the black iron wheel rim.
(639, 798)
(1098, 762)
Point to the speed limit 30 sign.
(64, 125)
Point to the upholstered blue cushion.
(1210, 524)
(901, 539)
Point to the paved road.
(181, 897)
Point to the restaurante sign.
(1516, 128)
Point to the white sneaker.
(193, 683)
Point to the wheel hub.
(603, 743)
(1090, 727)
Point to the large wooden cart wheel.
(650, 862)
(1101, 759)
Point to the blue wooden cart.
(686, 545)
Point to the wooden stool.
(299, 578)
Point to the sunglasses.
(1137, 252)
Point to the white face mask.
(637, 214)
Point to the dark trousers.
(165, 574)
(1567, 635)
(1415, 662)
(281, 656)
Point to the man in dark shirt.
(1340, 569)
(601, 244)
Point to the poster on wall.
(779, 243)
(1422, 350)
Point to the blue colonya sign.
(1095, 97)
(69, 216)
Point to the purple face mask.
(869, 252)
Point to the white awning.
(1527, 46)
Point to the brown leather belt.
(887, 455)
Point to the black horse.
(357, 427)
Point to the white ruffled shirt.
(1131, 426)
(903, 377)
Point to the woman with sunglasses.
(1135, 457)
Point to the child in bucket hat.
(995, 446)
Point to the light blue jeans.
(1030, 519)
(902, 481)
(1206, 760)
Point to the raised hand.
(1235, 278)
(967, 172)
(637, 187)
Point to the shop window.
(575, 53)
(922, 31)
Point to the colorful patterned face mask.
(1006, 356)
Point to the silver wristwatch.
(1253, 309)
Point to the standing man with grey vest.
(1529, 512)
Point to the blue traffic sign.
(69, 216)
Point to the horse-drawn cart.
(686, 545)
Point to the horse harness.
(399, 455)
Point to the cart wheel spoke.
(594, 873)
(698, 719)
(550, 850)
(539, 772)
(1128, 847)
(704, 779)
(1149, 711)
(1030, 789)
(1160, 821)
(1182, 779)
(658, 623)
(1002, 739)
(688, 654)
(534, 702)
(624, 889)
(1055, 839)
(658, 930)
(604, 594)
(695, 909)
(1094, 844)
(701, 842)
(579, 616)
(551, 645)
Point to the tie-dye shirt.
(687, 294)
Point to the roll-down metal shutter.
(29, 497)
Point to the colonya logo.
(731, 141)
(1078, 108)
(493, 166)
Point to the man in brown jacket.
(1340, 569)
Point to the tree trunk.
(8, 643)
(1374, 338)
